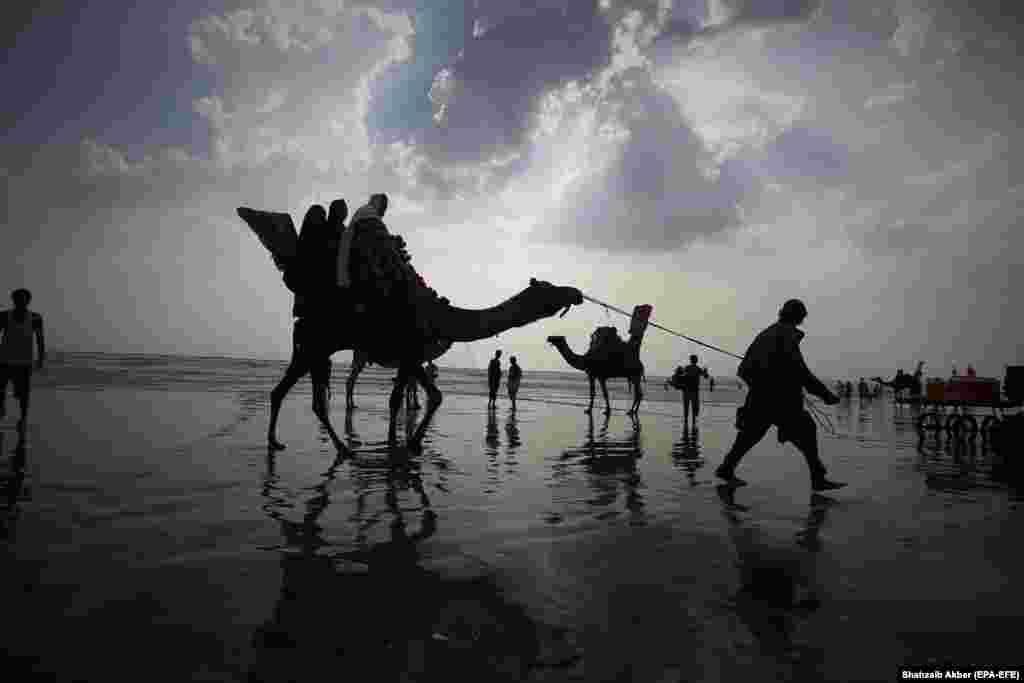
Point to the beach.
(154, 537)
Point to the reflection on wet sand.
(779, 585)
(372, 608)
(960, 465)
(686, 454)
(12, 488)
(610, 465)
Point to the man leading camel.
(776, 373)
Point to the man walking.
(774, 370)
(19, 326)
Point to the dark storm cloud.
(486, 101)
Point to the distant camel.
(609, 356)
(904, 382)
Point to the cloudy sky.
(709, 157)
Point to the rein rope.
(820, 417)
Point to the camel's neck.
(465, 325)
(571, 357)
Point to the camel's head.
(555, 297)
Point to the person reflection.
(686, 454)
(491, 438)
(512, 434)
(12, 489)
(779, 584)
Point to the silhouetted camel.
(611, 358)
(407, 324)
(904, 382)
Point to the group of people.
(494, 373)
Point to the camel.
(904, 382)
(609, 356)
(407, 324)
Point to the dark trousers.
(691, 402)
(798, 427)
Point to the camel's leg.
(638, 395)
(590, 408)
(297, 368)
(604, 390)
(395, 402)
(419, 374)
(359, 360)
(320, 370)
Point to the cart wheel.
(989, 427)
(929, 422)
(953, 424)
(966, 427)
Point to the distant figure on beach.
(20, 327)
(412, 396)
(687, 380)
(776, 373)
(515, 374)
(711, 380)
(312, 278)
(493, 379)
(862, 389)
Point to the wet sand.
(156, 538)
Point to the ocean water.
(156, 514)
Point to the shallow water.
(601, 548)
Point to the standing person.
(691, 389)
(687, 380)
(774, 370)
(493, 379)
(711, 380)
(19, 326)
(515, 374)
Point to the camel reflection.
(368, 605)
(686, 454)
(611, 468)
(779, 584)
